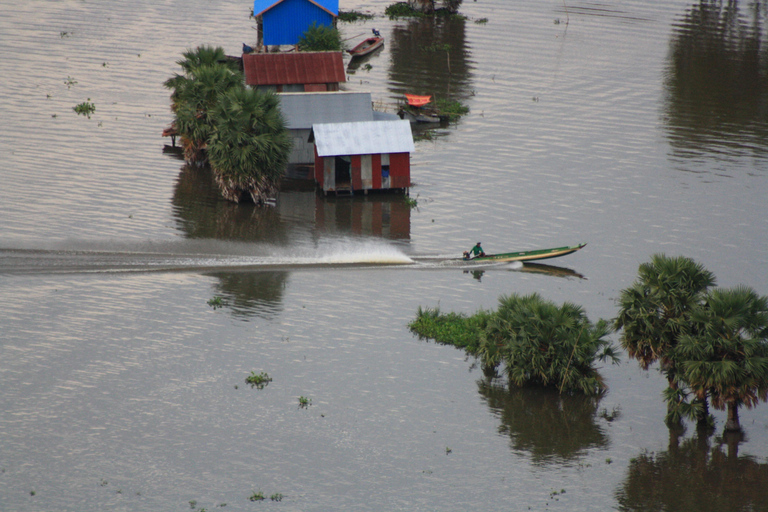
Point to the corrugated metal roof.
(363, 138)
(302, 110)
(259, 6)
(293, 68)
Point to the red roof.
(293, 68)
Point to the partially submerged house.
(303, 110)
(284, 21)
(295, 71)
(362, 156)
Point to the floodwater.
(635, 126)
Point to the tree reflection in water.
(552, 428)
(717, 80)
(430, 56)
(249, 294)
(692, 476)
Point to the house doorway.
(343, 174)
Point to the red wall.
(400, 170)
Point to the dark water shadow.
(551, 428)
(200, 212)
(716, 83)
(377, 215)
(430, 56)
(252, 294)
(551, 270)
(693, 476)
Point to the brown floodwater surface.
(637, 126)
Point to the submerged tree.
(249, 150)
(208, 73)
(542, 344)
(656, 311)
(727, 358)
(538, 342)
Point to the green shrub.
(320, 38)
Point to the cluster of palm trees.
(239, 131)
(536, 341)
(541, 343)
(710, 343)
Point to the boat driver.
(476, 251)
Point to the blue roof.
(259, 6)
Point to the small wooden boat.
(367, 46)
(540, 254)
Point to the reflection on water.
(550, 270)
(201, 213)
(380, 215)
(717, 81)
(694, 477)
(553, 428)
(249, 294)
(430, 56)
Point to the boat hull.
(369, 45)
(540, 254)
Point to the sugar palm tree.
(655, 311)
(208, 73)
(728, 358)
(548, 345)
(249, 150)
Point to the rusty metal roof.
(293, 68)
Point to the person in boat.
(474, 252)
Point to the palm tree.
(655, 311)
(728, 358)
(249, 150)
(543, 344)
(208, 73)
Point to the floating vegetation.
(85, 108)
(69, 82)
(350, 16)
(437, 48)
(257, 496)
(402, 10)
(64, 34)
(481, 21)
(412, 202)
(276, 497)
(258, 381)
(216, 302)
(304, 402)
(537, 342)
(451, 328)
(452, 109)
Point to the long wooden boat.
(367, 46)
(539, 254)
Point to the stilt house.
(302, 110)
(294, 72)
(363, 156)
(284, 21)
